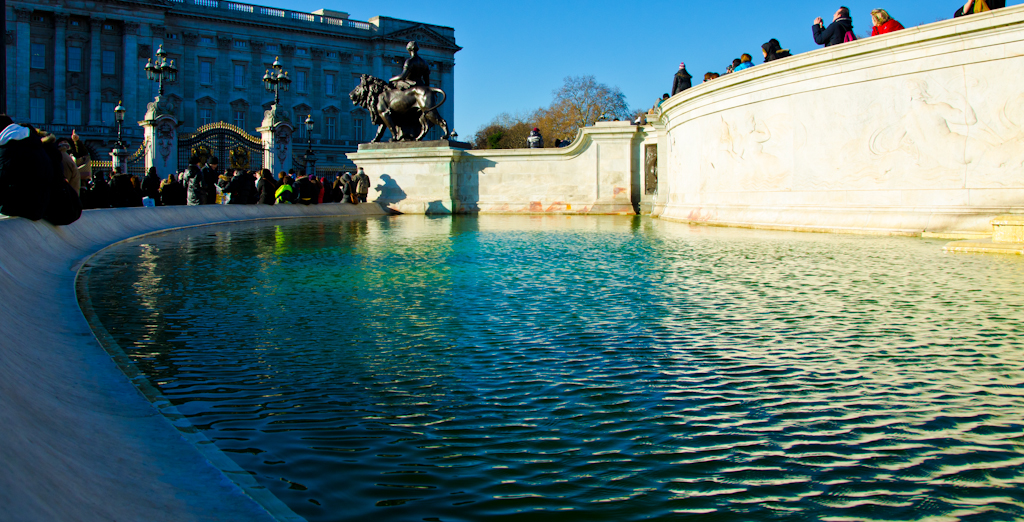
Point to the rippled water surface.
(585, 368)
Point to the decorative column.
(130, 93)
(60, 68)
(95, 72)
(161, 137)
(21, 66)
(277, 140)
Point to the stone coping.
(80, 441)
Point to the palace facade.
(69, 63)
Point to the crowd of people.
(45, 177)
(839, 31)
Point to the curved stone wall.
(78, 440)
(918, 131)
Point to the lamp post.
(161, 69)
(455, 136)
(276, 81)
(118, 155)
(310, 156)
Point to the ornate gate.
(231, 145)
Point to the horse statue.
(407, 113)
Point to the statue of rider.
(415, 72)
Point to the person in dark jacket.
(836, 31)
(151, 186)
(122, 192)
(193, 181)
(347, 188)
(211, 173)
(99, 194)
(773, 50)
(32, 185)
(239, 189)
(172, 192)
(328, 190)
(266, 188)
(681, 81)
(979, 6)
(337, 191)
(306, 189)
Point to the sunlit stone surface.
(420, 368)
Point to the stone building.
(69, 62)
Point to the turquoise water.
(585, 368)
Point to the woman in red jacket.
(883, 23)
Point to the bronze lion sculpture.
(408, 113)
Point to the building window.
(301, 52)
(357, 129)
(74, 112)
(330, 123)
(206, 73)
(75, 23)
(74, 59)
(300, 81)
(241, 44)
(240, 119)
(38, 56)
(357, 59)
(239, 76)
(273, 48)
(107, 113)
(109, 62)
(302, 128)
(332, 54)
(108, 27)
(37, 110)
(205, 117)
(172, 36)
(205, 40)
(329, 84)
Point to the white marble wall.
(917, 131)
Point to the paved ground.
(77, 440)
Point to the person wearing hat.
(535, 141)
(681, 82)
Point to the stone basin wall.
(78, 441)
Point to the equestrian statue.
(405, 104)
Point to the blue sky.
(516, 53)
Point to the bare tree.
(581, 101)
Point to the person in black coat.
(681, 81)
(266, 188)
(151, 186)
(239, 188)
(210, 174)
(172, 192)
(836, 31)
(971, 7)
(773, 50)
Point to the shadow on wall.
(390, 192)
(466, 192)
(436, 207)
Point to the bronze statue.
(405, 106)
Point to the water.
(585, 368)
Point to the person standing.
(211, 174)
(266, 188)
(535, 141)
(70, 167)
(979, 6)
(193, 182)
(836, 31)
(81, 154)
(151, 186)
(362, 182)
(681, 81)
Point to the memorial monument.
(404, 105)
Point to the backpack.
(849, 37)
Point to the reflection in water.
(585, 368)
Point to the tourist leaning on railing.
(883, 23)
(979, 6)
(836, 31)
(772, 50)
(746, 62)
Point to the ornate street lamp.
(276, 81)
(455, 136)
(161, 69)
(310, 156)
(118, 155)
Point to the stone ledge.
(80, 442)
(397, 145)
(986, 246)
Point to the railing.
(275, 12)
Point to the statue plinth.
(395, 145)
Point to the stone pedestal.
(119, 159)
(1007, 238)
(276, 132)
(161, 134)
(411, 177)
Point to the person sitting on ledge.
(732, 66)
(285, 193)
(883, 23)
(773, 50)
(836, 32)
(681, 81)
(979, 6)
(746, 62)
(708, 76)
